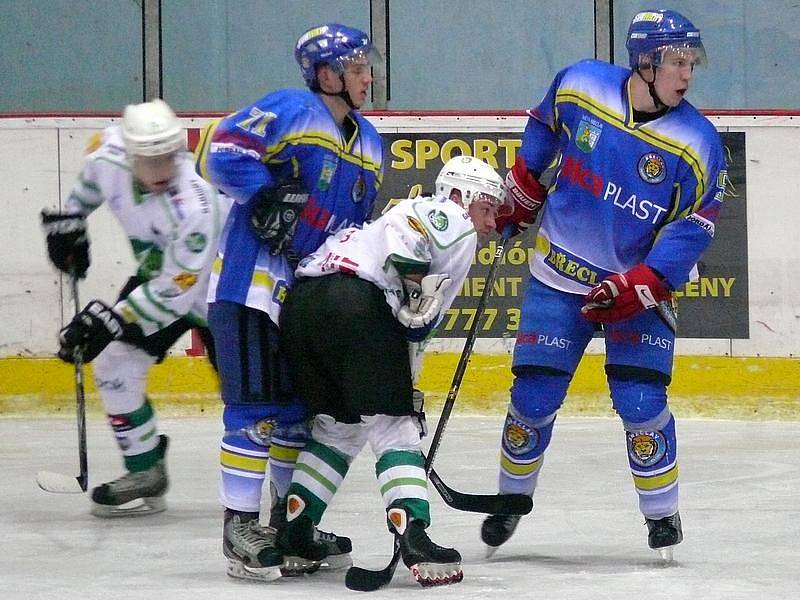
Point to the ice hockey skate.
(337, 548)
(134, 494)
(429, 563)
(496, 530)
(303, 553)
(664, 534)
(250, 548)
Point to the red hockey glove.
(622, 296)
(527, 196)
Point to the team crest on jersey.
(326, 173)
(438, 219)
(588, 134)
(646, 448)
(359, 189)
(196, 242)
(518, 437)
(652, 168)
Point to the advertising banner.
(713, 306)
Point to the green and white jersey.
(173, 234)
(417, 236)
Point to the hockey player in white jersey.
(375, 290)
(172, 219)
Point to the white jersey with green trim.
(420, 235)
(173, 234)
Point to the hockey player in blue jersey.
(300, 165)
(638, 187)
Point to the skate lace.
(253, 537)
(324, 536)
(131, 481)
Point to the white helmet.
(473, 178)
(151, 129)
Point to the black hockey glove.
(67, 242)
(276, 212)
(91, 330)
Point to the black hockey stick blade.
(490, 504)
(365, 580)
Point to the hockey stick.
(490, 504)
(58, 483)
(366, 580)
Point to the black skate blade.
(58, 483)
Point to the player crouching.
(377, 289)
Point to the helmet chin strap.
(344, 94)
(651, 87)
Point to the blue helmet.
(652, 31)
(334, 45)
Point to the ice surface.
(740, 504)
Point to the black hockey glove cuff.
(91, 330)
(275, 214)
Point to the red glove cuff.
(624, 295)
(525, 189)
(527, 196)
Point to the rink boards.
(703, 386)
(719, 374)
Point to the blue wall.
(753, 49)
(86, 55)
(69, 55)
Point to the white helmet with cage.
(474, 180)
(151, 129)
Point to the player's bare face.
(483, 214)
(674, 75)
(357, 79)
(154, 172)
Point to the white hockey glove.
(423, 304)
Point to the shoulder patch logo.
(438, 219)
(588, 134)
(652, 168)
(329, 164)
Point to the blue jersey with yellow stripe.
(623, 192)
(288, 134)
